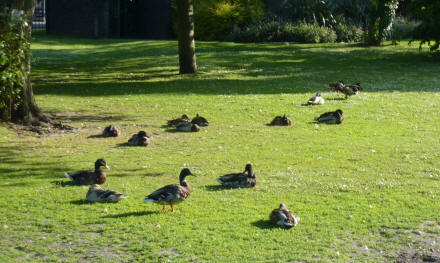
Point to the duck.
(199, 120)
(336, 86)
(281, 121)
(283, 217)
(188, 127)
(90, 177)
(247, 178)
(98, 194)
(332, 117)
(111, 131)
(139, 139)
(171, 194)
(317, 100)
(178, 121)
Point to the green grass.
(370, 181)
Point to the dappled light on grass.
(367, 182)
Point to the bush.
(348, 33)
(214, 19)
(402, 28)
(275, 31)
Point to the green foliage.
(348, 33)
(381, 18)
(214, 19)
(12, 47)
(427, 12)
(275, 31)
(402, 29)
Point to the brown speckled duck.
(178, 121)
(332, 117)
(139, 139)
(247, 178)
(98, 194)
(110, 131)
(171, 194)
(187, 127)
(199, 120)
(283, 217)
(89, 177)
(281, 121)
(337, 86)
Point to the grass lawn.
(366, 191)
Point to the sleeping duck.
(336, 86)
(178, 121)
(188, 127)
(139, 139)
(90, 177)
(332, 117)
(317, 100)
(111, 131)
(283, 217)
(281, 121)
(247, 178)
(171, 194)
(199, 120)
(98, 194)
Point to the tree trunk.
(187, 55)
(27, 110)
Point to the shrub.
(12, 46)
(348, 33)
(271, 31)
(402, 28)
(214, 19)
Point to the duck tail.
(122, 197)
(68, 176)
(149, 200)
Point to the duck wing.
(104, 195)
(237, 180)
(82, 177)
(277, 120)
(168, 194)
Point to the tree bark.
(187, 55)
(27, 110)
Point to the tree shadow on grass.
(80, 202)
(95, 136)
(218, 187)
(137, 213)
(264, 224)
(63, 183)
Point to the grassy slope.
(366, 182)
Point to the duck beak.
(107, 167)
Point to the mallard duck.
(247, 178)
(281, 121)
(283, 217)
(111, 131)
(199, 120)
(98, 194)
(171, 194)
(89, 177)
(332, 117)
(178, 121)
(336, 86)
(188, 127)
(317, 100)
(139, 139)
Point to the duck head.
(142, 134)
(339, 112)
(184, 173)
(111, 128)
(185, 117)
(318, 94)
(99, 163)
(248, 169)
